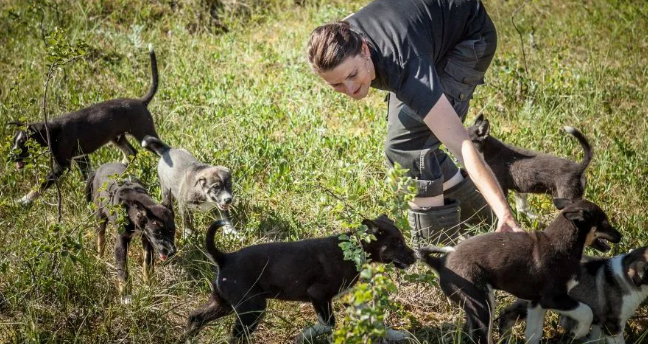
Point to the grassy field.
(236, 90)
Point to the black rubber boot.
(436, 225)
(474, 209)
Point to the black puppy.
(111, 191)
(525, 171)
(79, 133)
(539, 266)
(311, 270)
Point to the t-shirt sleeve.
(419, 86)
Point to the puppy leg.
(187, 222)
(127, 149)
(121, 256)
(167, 198)
(565, 305)
(476, 304)
(522, 205)
(615, 339)
(534, 324)
(216, 308)
(325, 324)
(249, 312)
(83, 163)
(101, 235)
(149, 262)
(51, 178)
(512, 314)
(595, 335)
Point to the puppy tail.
(155, 145)
(88, 186)
(587, 149)
(214, 253)
(154, 75)
(436, 263)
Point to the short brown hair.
(330, 44)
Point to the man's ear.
(561, 203)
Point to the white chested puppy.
(196, 185)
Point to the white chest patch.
(571, 284)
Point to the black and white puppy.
(112, 190)
(525, 171)
(613, 288)
(312, 270)
(540, 266)
(196, 186)
(76, 134)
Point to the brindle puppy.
(111, 190)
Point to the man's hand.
(508, 224)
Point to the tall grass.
(236, 91)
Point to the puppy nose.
(227, 200)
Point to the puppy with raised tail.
(75, 135)
(196, 186)
(312, 270)
(613, 288)
(540, 266)
(525, 171)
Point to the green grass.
(247, 99)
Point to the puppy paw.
(126, 299)
(231, 232)
(25, 201)
(396, 336)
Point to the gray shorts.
(410, 142)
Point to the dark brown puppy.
(311, 270)
(76, 134)
(538, 266)
(525, 171)
(111, 190)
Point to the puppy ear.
(483, 128)
(637, 272)
(141, 213)
(371, 226)
(576, 215)
(479, 119)
(201, 181)
(561, 203)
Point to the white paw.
(126, 299)
(231, 232)
(25, 201)
(581, 331)
(397, 336)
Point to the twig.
(339, 198)
(50, 72)
(526, 69)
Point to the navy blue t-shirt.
(407, 38)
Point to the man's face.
(352, 77)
